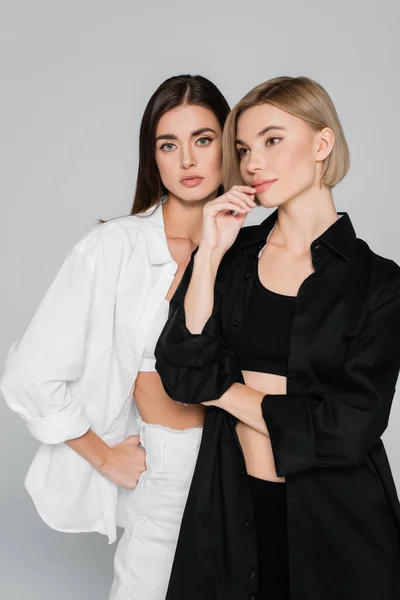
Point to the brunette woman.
(91, 344)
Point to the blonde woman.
(289, 331)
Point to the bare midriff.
(154, 404)
(156, 407)
(255, 445)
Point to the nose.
(188, 159)
(256, 161)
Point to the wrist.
(235, 394)
(103, 461)
(229, 394)
(209, 255)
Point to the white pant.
(144, 556)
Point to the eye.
(242, 152)
(272, 141)
(167, 147)
(204, 141)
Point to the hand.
(125, 463)
(220, 226)
(277, 386)
(281, 386)
(210, 403)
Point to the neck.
(303, 218)
(184, 219)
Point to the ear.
(326, 141)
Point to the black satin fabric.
(343, 513)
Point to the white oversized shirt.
(76, 364)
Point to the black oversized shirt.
(342, 506)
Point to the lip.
(192, 181)
(263, 184)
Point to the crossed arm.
(333, 428)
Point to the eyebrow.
(263, 132)
(171, 136)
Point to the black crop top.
(265, 338)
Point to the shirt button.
(248, 524)
(252, 597)
(235, 323)
(252, 574)
(248, 275)
(243, 472)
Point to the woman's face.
(188, 152)
(280, 155)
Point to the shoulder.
(385, 269)
(384, 273)
(126, 229)
(112, 234)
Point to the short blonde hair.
(303, 98)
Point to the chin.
(268, 202)
(196, 194)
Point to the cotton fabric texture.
(76, 365)
(144, 556)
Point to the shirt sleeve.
(337, 429)
(51, 355)
(196, 367)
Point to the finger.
(244, 200)
(227, 207)
(243, 188)
(247, 197)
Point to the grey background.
(75, 77)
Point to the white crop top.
(148, 361)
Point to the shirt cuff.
(289, 423)
(193, 350)
(68, 424)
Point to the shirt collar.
(340, 237)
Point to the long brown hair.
(175, 91)
(303, 98)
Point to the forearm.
(244, 403)
(92, 448)
(199, 299)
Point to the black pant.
(269, 506)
